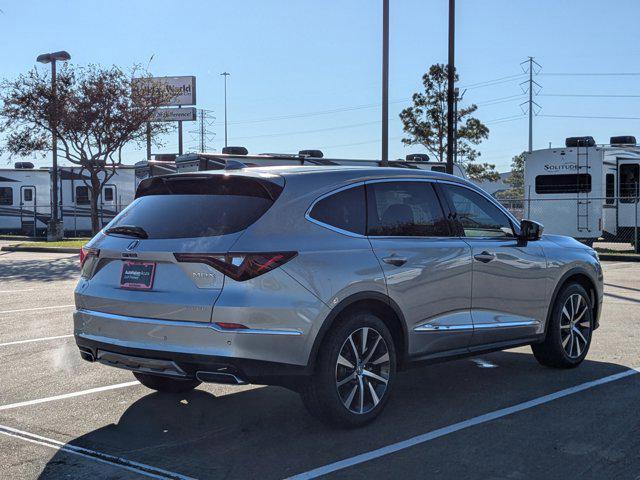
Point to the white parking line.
(17, 291)
(67, 395)
(35, 308)
(139, 468)
(483, 363)
(41, 339)
(441, 432)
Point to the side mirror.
(530, 230)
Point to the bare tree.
(98, 111)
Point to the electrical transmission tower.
(203, 134)
(531, 87)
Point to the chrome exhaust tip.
(220, 377)
(87, 354)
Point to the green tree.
(515, 179)
(98, 111)
(425, 123)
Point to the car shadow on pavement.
(267, 433)
(40, 270)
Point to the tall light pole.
(385, 83)
(225, 75)
(54, 230)
(450, 86)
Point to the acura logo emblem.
(133, 245)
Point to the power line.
(593, 74)
(598, 117)
(589, 95)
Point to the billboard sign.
(174, 115)
(180, 90)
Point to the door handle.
(485, 257)
(395, 260)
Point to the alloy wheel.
(575, 326)
(362, 370)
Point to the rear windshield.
(184, 207)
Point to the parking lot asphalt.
(499, 415)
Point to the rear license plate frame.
(146, 282)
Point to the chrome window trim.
(328, 226)
(181, 323)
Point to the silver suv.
(327, 281)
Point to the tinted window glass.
(344, 210)
(6, 196)
(628, 182)
(477, 215)
(108, 194)
(82, 195)
(183, 207)
(27, 194)
(567, 183)
(406, 209)
(610, 188)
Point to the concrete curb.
(10, 248)
(613, 257)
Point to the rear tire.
(354, 372)
(569, 330)
(166, 384)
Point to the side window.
(404, 209)
(108, 194)
(610, 188)
(6, 196)
(478, 216)
(344, 210)
(82, 195)
(27, 195)
(629, 173)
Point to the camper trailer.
(158, 165)
(584, 190)
(238, 157)
(25, 198)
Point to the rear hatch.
(133, 266)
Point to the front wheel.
(166, 384)
(569, 330)
(354, 373)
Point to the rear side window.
(344, 210)
(404, 209)
(6, 196)
(566, 183)
(187, 207)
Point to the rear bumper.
(193, 346)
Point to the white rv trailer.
(151, 168)
(239, 157)
(25, 198)
(584, 190)
(23, 192)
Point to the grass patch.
(72, 243)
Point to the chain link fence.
(32, 220)
(611, 223)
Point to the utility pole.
(225, 75)
(458, 98)
(530, 68)
(450, 86)
(203, 146)
(385, 84)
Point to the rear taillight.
(88, 258)
(239, 266)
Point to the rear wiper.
(130, 230)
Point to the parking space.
(63, 417)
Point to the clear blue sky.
(302, 58)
